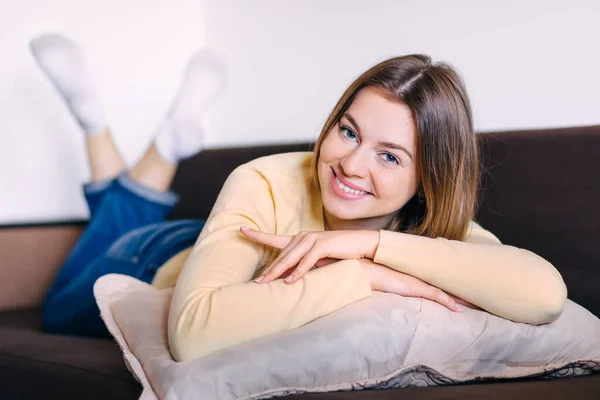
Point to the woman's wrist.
(367, 266)
(371, 242)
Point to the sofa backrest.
(539, 192)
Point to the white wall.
(527, 64)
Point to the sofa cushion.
(37, 365)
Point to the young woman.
(385, 202)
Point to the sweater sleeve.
(507, 281)
(215, 305)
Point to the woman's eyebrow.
(352, 121)
(397, 147)
(383, 144)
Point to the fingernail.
(259, 279)
(459, 307)
(244, 228)
(289, 278)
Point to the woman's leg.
(119, 206)
(125, 206)
(180, 134)
(153, 171)
(104, 157)
(129, 212)
(138, 253)
(62, 62)
(73, 310)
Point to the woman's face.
(367, 165)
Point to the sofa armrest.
(30, 257)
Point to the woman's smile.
(344, 189)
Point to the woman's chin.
(340, 213)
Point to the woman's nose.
(354, 164)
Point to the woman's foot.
(62, 62)
(180, 134)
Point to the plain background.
(526, 64)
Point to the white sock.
(180, 134)
(62, 62)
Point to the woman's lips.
(349, 184)
(340, 193)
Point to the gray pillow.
(385, 341)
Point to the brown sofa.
(541, 192)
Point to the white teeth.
(348, 189)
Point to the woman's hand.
(306, 250)
(384, 279)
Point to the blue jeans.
(127, 234)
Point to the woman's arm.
(215, 306)
(512, 283)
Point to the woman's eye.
(347, 132)
(390, 158)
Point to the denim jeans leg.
(138, 253)
(94, 193)
(125, 205)
(73, 309)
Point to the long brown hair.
(447, 154)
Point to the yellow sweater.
(215, 305)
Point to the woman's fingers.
(466, 303)
(385, 279)
(306, 264)
(271, 273)
(291, 271)
(276, 241)
(439, 296)
(288, 260)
